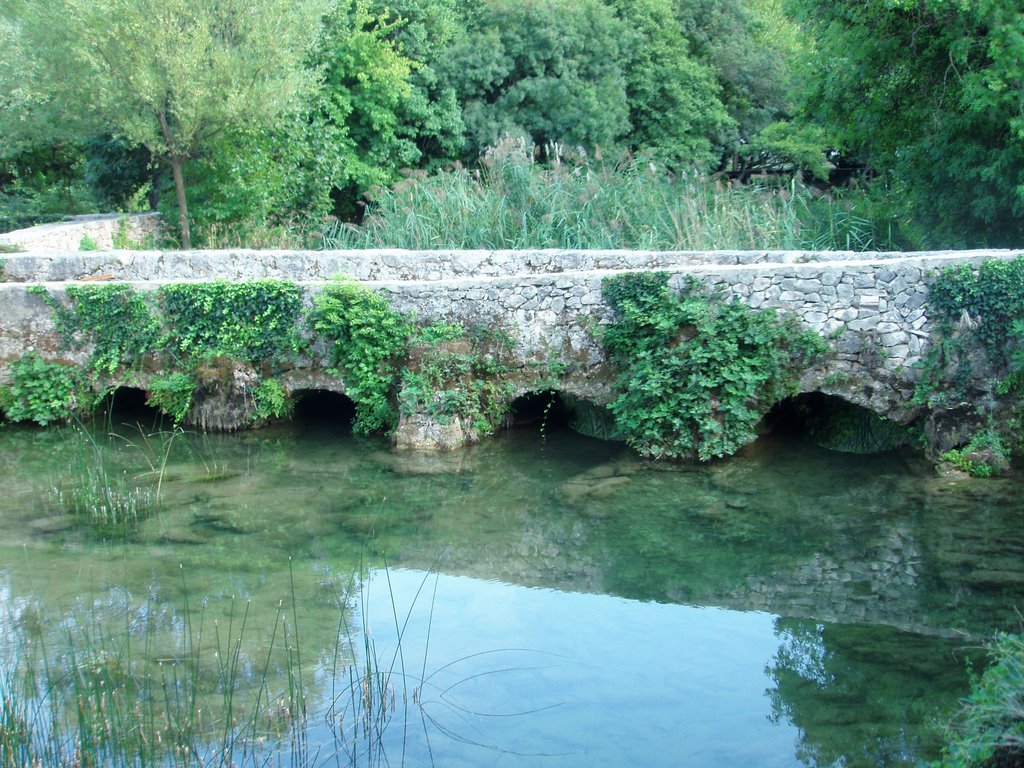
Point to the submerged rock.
(57, 524)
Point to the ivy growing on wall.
(978, 317)
(113, 317)
(251, 321)
(696, 372)
(457, 372)
(367, 341)
(975, 305)
(387, 364)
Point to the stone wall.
(871, 307)
(67, 236)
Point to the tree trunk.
(177, 168)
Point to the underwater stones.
(51, 525)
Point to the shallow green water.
(561, 603)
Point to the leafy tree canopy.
(550, 70)
(931, 91)
(170, 75)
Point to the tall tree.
(675, 103)
(550, 70)
(170, 75)
(932, 92)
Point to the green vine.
(249, 321)
(272, 401)
(172, 394)
(112, 317)
(367, 339)
(457, 373)
(45, 392)
(970, 306)
(696, 372)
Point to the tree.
(550, 70)
(169, 75)
(930, 92)
(675, 105)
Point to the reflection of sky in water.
(597, 680)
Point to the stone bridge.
(872, 307)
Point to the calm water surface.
(559, 602)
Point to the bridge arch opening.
(323, 407)
(833, 423)
(551, 409)
(544, 410)
(127, 405)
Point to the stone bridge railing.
(871, 306)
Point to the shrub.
(697, 372)
(989, 731)
(45, 392)
(984, 456)
(366, 339)
(272, 401)
(172, 394)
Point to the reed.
(111, 500)
(516, 203)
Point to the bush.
(696, 372)
(989, 731)
(367, 338)
(45, 392)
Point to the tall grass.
(150, 685)
(145, 687)
(111, 500)
(514, 202)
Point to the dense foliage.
(697, 372)
(251, 321)
(113, 318)
(366, 340)
(989, 731)
(930, 92)
(983, 304)
(254, 128)
(44, 392)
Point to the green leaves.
(45, 392)
(114, 318)
(251, 321)
(930, 91)
(367, 339)
(696, 372)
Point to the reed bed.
(513, 203)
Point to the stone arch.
(319, 406)
(833, 422)
(128, 405)
(550, 409)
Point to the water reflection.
(590, 607)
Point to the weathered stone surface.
(873, 308)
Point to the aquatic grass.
(96, 693)
(111, 501)
(516, 203)
(122, 684)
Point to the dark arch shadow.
(831, 422)
(544, 410)
(126, 406)
(551, 410)
(323, 409)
